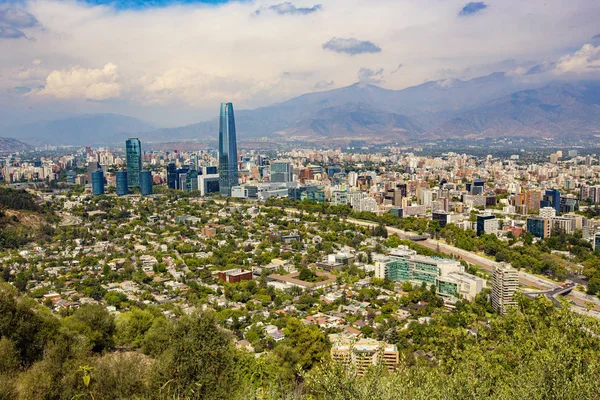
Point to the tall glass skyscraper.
(146, 183)
(97, 183)
(133, 152)
(122, 184)
(228, 166)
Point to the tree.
(199, 362)
(95, 324)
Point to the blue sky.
(140, 4)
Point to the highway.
(578, 299)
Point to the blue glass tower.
(122, 186)
(146, 183)
(97, 183)
(133, 153)
(228, 167)
(172, 176)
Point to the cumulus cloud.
(83, 83)
(472, 8)
(370, 76)
(8, 32)
(17, 18)
(583, 60)
(351, 46)
(324, 85)
(288, 8)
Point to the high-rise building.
(133, 153)
(122, 185)
(281, 172)
(97, 183)
(172, 176)
(228, 163)
(191, 181)
(146, 183)
(552, 199)
(505, 280)
(539, 227)
(486, 224)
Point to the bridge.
(553, 294)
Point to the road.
(69, 220)
(578, 299)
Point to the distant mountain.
(89, 129)
(554, 110)
(357, 110)
(488, 106)
(8, 145)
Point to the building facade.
(97, 183)
(282, 172)
(121, 183)
(505, 281)
(133, 154)
(228, 163)
(146, 183)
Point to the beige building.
(363, 353)
(505, 281)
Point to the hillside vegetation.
(22, 219)
(535, 352)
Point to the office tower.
(97, 183)
(146, 183)
(122, 185)
(228, 166)
(191, 181)
(281, 171)
(486, 224)
(505, 280)
(539, 227)
(172, 176)
(552, 199)
(71, 177)
(133, 153)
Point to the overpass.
(553, 294)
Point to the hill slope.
(555, 110)
(9, 145)
(89, 129)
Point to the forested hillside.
(22, 219)
(535, 352)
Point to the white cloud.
(83, 83)
(584, 60)
(183, 59)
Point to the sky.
(171, 62)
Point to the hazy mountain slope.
(552, 111)
(86, 129)
(8, 145)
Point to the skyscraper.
(228, 167)
(145, 183)
(133, 152)
(122, 185)
(97, 183)
(172, 176)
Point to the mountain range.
(497, 105)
